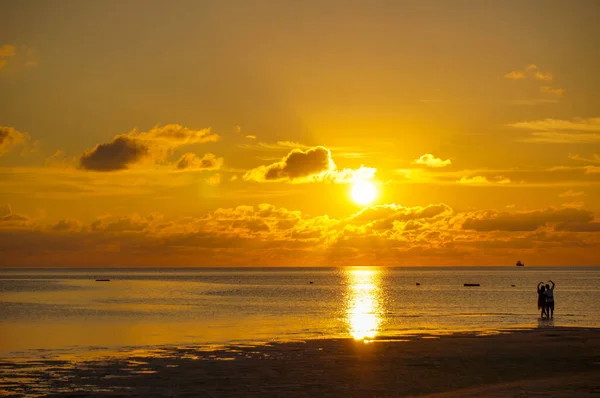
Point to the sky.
(253, 133)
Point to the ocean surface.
(46, 310)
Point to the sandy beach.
(554, 361)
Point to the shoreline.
(100, 352)
(561, 360)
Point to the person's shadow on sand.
(544, 323)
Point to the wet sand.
(543, 362)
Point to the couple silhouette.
(546, 299)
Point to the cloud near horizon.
(135, 147)
(269, 235)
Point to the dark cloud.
(297, 164)
(155, 145)
(190, 161)
(118, 154)
(579, 227)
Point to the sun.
(363, 192)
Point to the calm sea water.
(67, 309)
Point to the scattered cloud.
(10, 138)
(58, 159)
(278, 146)
(311, 165)
(555, 131)
(118, 154)
(533, 101)
(7, 50)
(570, 194)
(154, 145)
(530, 72)
(23, 56)
(474, 180)
(190, 161)
(431, 161)
(534, 71)
(515, 75)
(553, 91)
(574, 205)
(553, 137)
(549, 94)
(214, 180)
(251, 137)
(482, 180)
(594, 159)
(297, 164)
(579, 124)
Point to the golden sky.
(214, 133)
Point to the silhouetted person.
(542, 298)
(549, 300)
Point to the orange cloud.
(431, 161)
(214, 180)
(10, 138)
(297, 164)
(270, 235)
(474, 180)
(531, 71)
(8, 50)
(570, 193)
(537, 74)
(311, 165)
(524, 221)
(515, 75)
(553, 91)
(155, 145)
(562, 131)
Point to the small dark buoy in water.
(102, 280)
(418, 284)
(311, 282)
(471, 284)
(512, 285)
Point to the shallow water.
(44, 311)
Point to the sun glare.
(364, 192)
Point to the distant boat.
(520, 264)
(102, 280)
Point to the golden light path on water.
(365, 302)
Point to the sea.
(67, 310)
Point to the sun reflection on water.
(364, 302)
